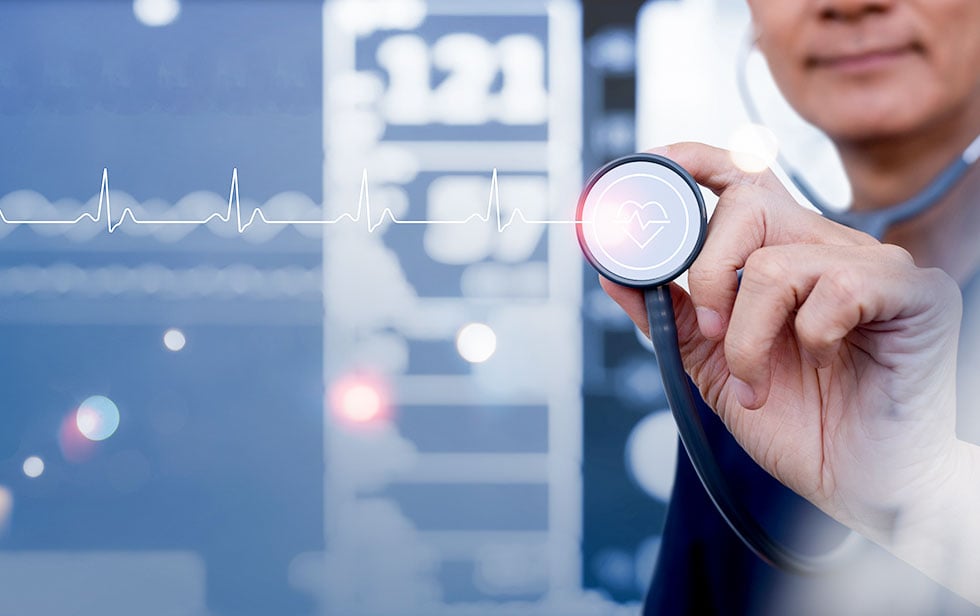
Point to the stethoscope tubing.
(663, 335)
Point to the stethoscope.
(641, 223)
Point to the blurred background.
(244, 416)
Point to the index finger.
(712, 167)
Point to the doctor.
(833, 366)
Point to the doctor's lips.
(862, 60)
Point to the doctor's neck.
(888, 171)
(884, 171)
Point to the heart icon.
(644, 221)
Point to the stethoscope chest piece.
(642, 220)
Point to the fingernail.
(743, 392)
(660, 149)
(709, 321)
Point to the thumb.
(688, 333)
(704, 360)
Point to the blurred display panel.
(629, 441)
(408, 402)
(161, 398)
(461, 491)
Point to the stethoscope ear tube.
(873, 222)
(663, 334)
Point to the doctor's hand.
(833, 363)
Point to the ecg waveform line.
(234, 209)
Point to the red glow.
(359, 400)
(74, 446)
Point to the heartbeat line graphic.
(629, 213)
(234, 211)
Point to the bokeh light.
(361, 402)
(6, 507)
(614, 568)
(156, 13)
(33, 467)
(753, 148)
(651, 454)
(74, 446)
(476, 342)
(359, 399)
(174, 339)
(646, 559)
(97, 418)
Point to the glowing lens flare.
(33, 467)
(97, 418)
(359, 400)
(753, 148)
(6, 507)
(156, 13)
(174, 340)
(476, 342)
